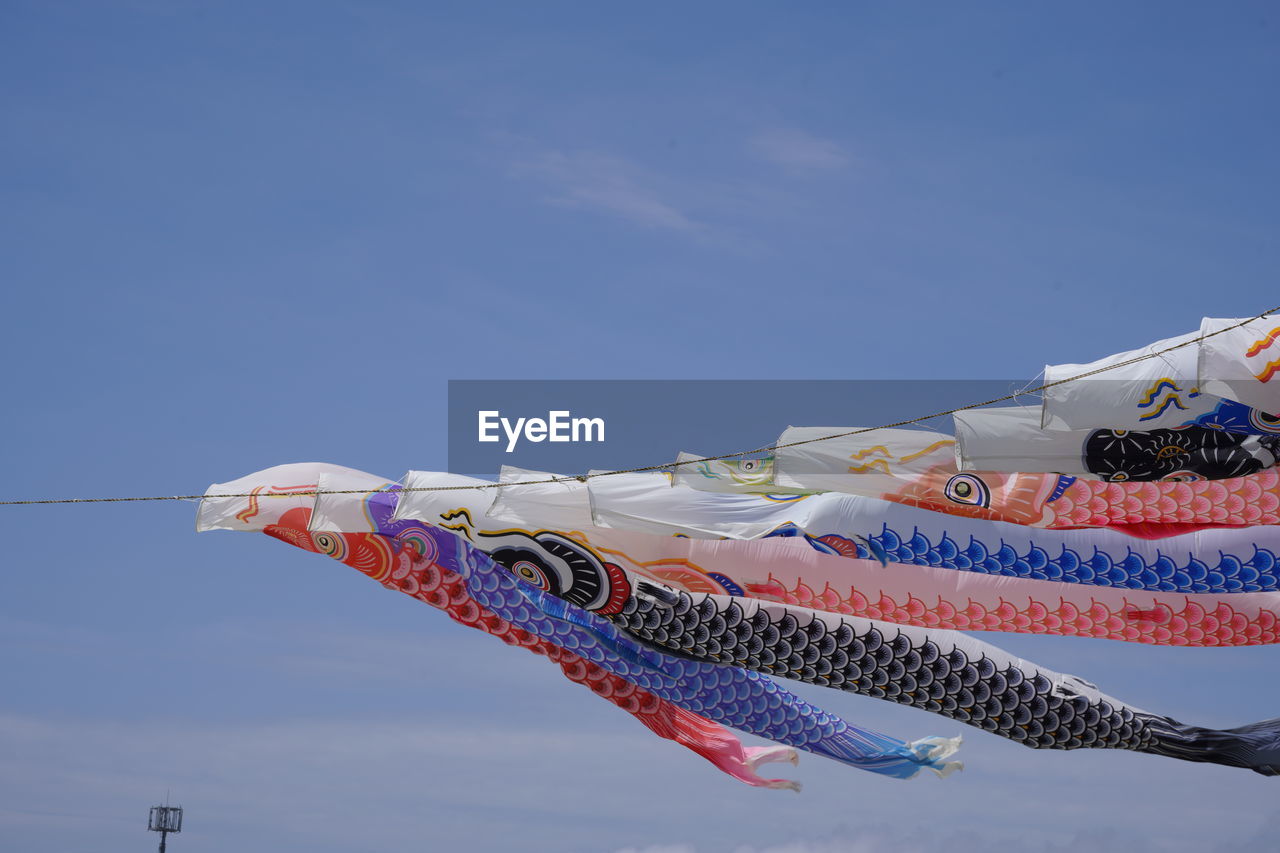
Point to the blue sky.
(236, 235)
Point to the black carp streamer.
(945, 672)
(1190, 452)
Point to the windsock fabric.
(1148, 394)
(972, 681)
(428, 562)
(1241, 363)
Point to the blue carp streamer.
(729, 695)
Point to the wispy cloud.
(798, 150)
(613, 185)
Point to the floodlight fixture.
(164, 820)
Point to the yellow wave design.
(937, 445)
(1269, 371)
(1264, 342)
(1155, 389)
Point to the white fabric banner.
(564, 506)
(1154, 393)
(1242, 364)
(1011, 439)
(345, 512)
(435, 506)
(734, 476)
(869, 463)
(266, 495)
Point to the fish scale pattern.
(859, 656)
(1189, 625)
(1165, 573)
(729, 695)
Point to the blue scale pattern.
(1165, 573)
(729, 695)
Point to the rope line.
(769, 448)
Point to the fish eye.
(531, 572)
(1264, 422)
(332, 544)
(968, 489)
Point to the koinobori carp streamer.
(416, 558)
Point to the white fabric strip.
(733, 476)
(564, 506)
(868, 463)
(1242, 364)
(1155, 393)
(1011, 439)
(274, 492)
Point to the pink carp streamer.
(919, 468)
(1147, 510)
(1183, 622)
